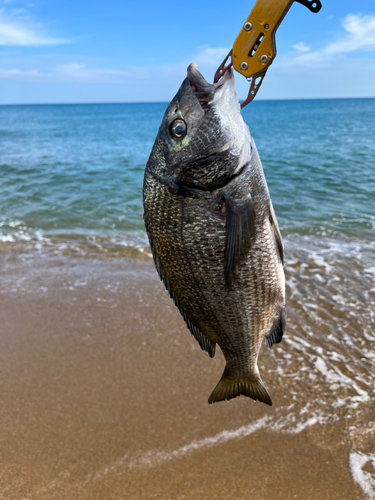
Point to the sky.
(138, 51)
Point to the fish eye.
(178, 129)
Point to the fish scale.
(171, 253)
(214, 235)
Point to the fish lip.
(203, 90)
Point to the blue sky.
(133, 51)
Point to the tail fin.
(229, 388)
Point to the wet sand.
(104, 396)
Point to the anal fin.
(277, 331)
(203, 341)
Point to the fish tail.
(229, 388)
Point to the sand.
(104, 396)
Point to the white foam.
(7, 238)
(335, 376)
(289, 425)
(293, 424)
(365, 479)
(152, 458)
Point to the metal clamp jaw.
(255, 47)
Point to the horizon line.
(167, 102)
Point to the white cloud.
(301, 47)
(80, 73)
(19, 74)
(18, 32)
(211, 57)
(207, 59)
(358, 36)
(75, 73)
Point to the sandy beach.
(104, 396)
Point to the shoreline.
(105, 396)
(134, 245)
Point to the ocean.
(71, 185)
(76, 171)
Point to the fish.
(213, 231)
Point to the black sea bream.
(213, 231)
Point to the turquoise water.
(71, 171)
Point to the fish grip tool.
(254, 50)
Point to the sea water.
(71, 181)
(76, 170)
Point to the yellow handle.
(255, 49)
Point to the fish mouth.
(203, 90)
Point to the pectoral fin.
(239, 230)
(276, 234)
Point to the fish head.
(203, 140)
